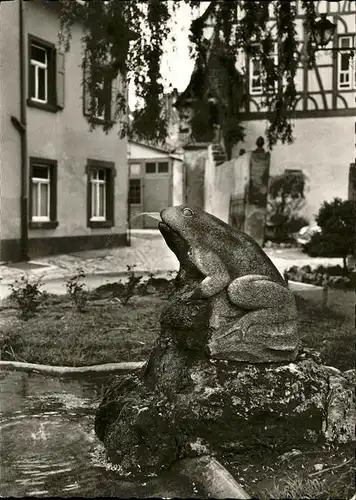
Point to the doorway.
(150, 190)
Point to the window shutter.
(60, 80)
(114, 89)
(53, 193)
(86, 95)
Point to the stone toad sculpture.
(253, 313)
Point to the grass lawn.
(330, 331)
(111, 332)
(60, 335)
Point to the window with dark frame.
(98, 189)
(43, 193)
(39, 59)
(157, 167)
(100, 199)
(346, 77)
(163, 167)
(150, 168)
(135, 191)
(46, 79)
(41, 183)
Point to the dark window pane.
(150, 168)
(345, 42)
(256, 67)
(41, 84)
(40, 172)
(135, 191)
(102, 175)
(100, 112)
(345, 62)
(163, 167)
(38, 54)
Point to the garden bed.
(332, 276)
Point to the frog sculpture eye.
(187, 212)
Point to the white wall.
(177, 181)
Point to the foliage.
(286, 198)
(218, 88)
(76, 290)
(128, 38)
(295, 487)
(10, 344)
(27, 295)
(130, 286)
(337, 236)
(203, 122)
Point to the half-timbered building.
(324, 117)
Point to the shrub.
(28, 296)
(285, 199)
(10, 343)
(76, 290)
(337, 236)
(131, 286)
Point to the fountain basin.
(49, 447)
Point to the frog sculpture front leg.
(216, 275)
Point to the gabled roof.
(162, 149)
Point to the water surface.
(49, 448)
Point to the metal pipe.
(23, 136)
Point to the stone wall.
(256, 206)
(195, 158)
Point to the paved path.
(148, 251)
